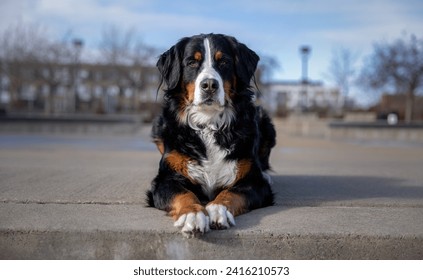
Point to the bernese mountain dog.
(215, 142)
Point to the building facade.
(74, 88)
(104, 88)
(282, 97)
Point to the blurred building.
(82, 88)
(56, 89)
(283, 97)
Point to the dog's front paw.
(220, 217)
(193, 224)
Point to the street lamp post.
(77, 45)
(305, 53)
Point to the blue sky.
(270, 27)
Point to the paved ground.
(82, 197)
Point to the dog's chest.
(213, 171)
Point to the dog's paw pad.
(193, 224)
(220, 217)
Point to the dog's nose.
(209, 85)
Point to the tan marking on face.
(235, 203)
(190, 88)
(186, 100)
(227, 87)
(218, 55)
(198, 56)
(185, 203)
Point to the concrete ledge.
(376, 124)
(119, 232)
(353, 130)
(148, 245)
(83, 124)
(29, 118)
(376, 131)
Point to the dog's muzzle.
(209, 87)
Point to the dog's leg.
(189, 214)
(250, 193)
(224, 208)
(170, 194)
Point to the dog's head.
(206, 72)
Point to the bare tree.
(29, 57)
(342, 69)
(20, 47)
(396, 66)
(129, 57)
(53, 64)
(266, 67)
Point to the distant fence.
(376, 131)
(312, 126)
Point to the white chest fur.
(215, 171)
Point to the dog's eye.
(223, 63)
(193, 63)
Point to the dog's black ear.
(245, 61)
(170, 64)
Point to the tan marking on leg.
(179, 163)
(244, 166)
(160, 145)
(235, 203)
(185, 203)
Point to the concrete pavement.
(82, 197)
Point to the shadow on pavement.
(345, 191)
(330, 191)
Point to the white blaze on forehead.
(208, 61)
(208, 72)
